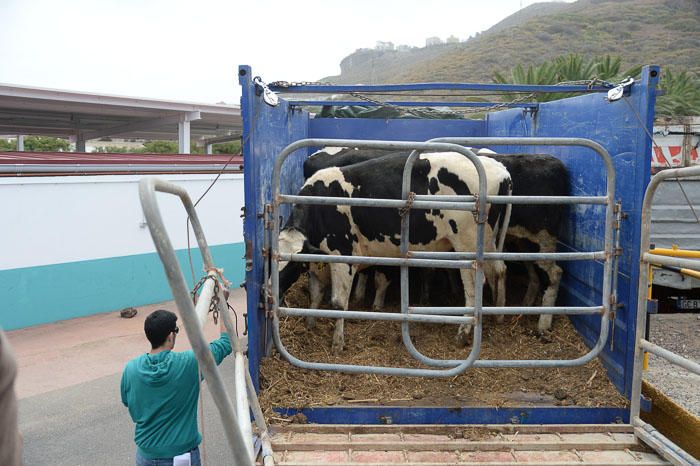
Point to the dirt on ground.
(679, 333)
(379, 343)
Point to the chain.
(286, 84)
(586, 82)
(409, 203)
(384, 104)
(214, 303)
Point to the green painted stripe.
(38, 295)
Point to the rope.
(206, 191)
(409, 203)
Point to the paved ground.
(679, 333)
(68, 386)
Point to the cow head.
(293, 241)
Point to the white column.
(183, 135)
(20, 142)
(209, 149)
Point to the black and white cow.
(532, 228)
(365, 231)
(536, 228)
(319, 275)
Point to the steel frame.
(234, 417)
(644, 431)
(429, 259)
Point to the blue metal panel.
(621, 128)
(379, 88)
(266, 131)
(618, 126)
(396, 130)
(466, 415)
(401, 103)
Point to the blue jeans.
(141, 461)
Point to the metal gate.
(643, 430)
(460, 260)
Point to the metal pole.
(147, 189)
(656, 180)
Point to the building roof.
(52, 112)
(94, 163)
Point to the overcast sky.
(189, 49)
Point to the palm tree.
(681, 91)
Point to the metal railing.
(235, 416)
(472, 314)
(645, 431)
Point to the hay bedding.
(379, 343)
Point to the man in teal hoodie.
(161, 389)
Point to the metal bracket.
(269, 97)
(621, 90)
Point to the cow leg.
(497, 282)
(316, 289)
(468, 280)
(341, 283)
(427, 277)
(533, 285)
(554, 273)
(381, 284)
(360, 287)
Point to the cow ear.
(309, 248)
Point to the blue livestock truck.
(413, 405)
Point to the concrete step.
(315, 444)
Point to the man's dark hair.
(158, 325)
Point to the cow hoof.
(336, 350)
(500, 319)
(462, 339)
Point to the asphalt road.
(87, 424)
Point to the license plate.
(687, 304)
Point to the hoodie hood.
(154, 369)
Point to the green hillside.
(663, 32)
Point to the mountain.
(663, 32)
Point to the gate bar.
(654, 259)
(608, 248)
(387, 316)
(372, 260)
(514, 256)
(640, 343)
(670, 356)
(510, 310)
(458, 368)
(370, 202)
(500, 199)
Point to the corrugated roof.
(79, 163)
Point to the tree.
(233, 147)
(45, 144)
(681, 90)
(681, 94)
(6, 145)
(160, 147)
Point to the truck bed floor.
(314, 444)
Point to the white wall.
(52, 220)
